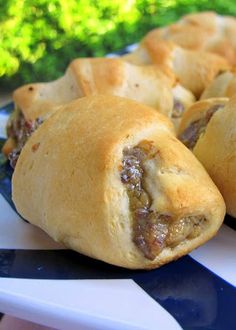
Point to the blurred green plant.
(38, 38)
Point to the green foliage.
(39, 38)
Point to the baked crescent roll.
(88, 76)
(111, 181)
(193, 69)
(84, 77)
(195, 121)
(216, 150)
(206, 31)
(223, 85)
(221, 33)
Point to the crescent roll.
(111, 181)
(205, 31)
(216, 149)
(215, 146)
(193, 69)
(195, 121)
(84, 77)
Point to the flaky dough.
(193, 69)
(68, 180)
(199, 109)
(89, 76)
(205, 31)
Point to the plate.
(42, 282)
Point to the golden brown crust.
(193, 69)
(71, 186)
(212, 33)
(180, 35)
(221, 33)
(196, 70)
(89, 76)
(206, 20)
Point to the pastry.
(19, 129)
(193, 69)
(194, 122)
(112, 182)
(84, 77)
(215, 147)
(205, 31)
(88, 76)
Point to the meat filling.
(178, 109)
(152, 230)
(20, 129)
(193, 132)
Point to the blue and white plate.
(42, 282)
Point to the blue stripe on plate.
(5, 180)
(7, 109)
(196, 297)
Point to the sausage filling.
(152, 230)
(193, 132)
(20, 129)
(178, 109)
